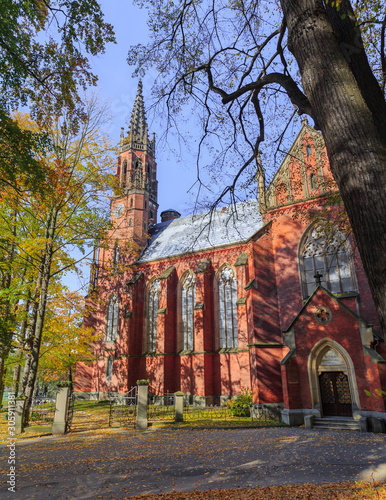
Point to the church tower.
(135, 208)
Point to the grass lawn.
(100, 408)
(94, 415)
(236, 422)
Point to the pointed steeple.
(137, 137)
(138, 125)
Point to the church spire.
(138, 125)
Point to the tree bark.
(355, 144)
(2, 376)
(44, 279)
(23, 331)
(30, 339)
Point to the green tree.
(44, 46)
(236, 58)
(65, 341)
(53, 222)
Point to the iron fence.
(160, 406)
(123, 408)
(212, 412)
(42, 410)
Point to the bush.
(240, 407)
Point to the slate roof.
(203, 231)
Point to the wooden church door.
(335, 394)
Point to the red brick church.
(248, 296)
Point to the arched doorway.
(332, 379)
(335, 394)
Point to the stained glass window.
(227, 297)
(112, 320)
(152, 308)
(326, 252)
(188, 300)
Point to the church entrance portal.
(335, 394)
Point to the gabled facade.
(250, 296)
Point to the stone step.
(337, 428)
(336, 420)
(336, 424)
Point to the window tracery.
(152, 309)
(326, 252)
(109, 368)
(188, 300)
(138, 173)
(124, 174)
(112, 319)
(227, 318)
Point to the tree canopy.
(43, 64)
(251, 65)
(42, 229)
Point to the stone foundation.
(266, 411)
(296, 417)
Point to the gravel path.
(115, 464)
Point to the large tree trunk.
(44, 279)
(2, 376)
(30, 339)
(355, 141)
(23, 331)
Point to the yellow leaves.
(377, 394)
(340, 491)
(65, 340)
(25, 122)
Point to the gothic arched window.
(112, 319)
(124, 174)
(138, 173)
(116, 257)
(313, 181)
(152, 310)
(109, 368)
(328, 253)
(227, 308)
(188, 301)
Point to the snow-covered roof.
(203, 231)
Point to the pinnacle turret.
(138, 125)
(138, 138)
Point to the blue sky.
(116, 85)
(176, 162)
(176, 170)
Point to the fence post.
(19, 414)
(143, 389)
(179, 406)
(61, 408)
